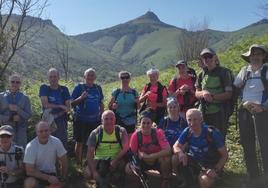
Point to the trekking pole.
(259, 159)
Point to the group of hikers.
(179, 129)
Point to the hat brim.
(6, 132)
(246, 55)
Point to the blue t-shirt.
(198, 146)
(89, 109)
(55, 96)
(172, 129)
(126, 102)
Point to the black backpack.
(100, 136)
(153, 136)
(160, 89)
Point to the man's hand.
(211, 173)
(83, 95)
(53, 180)
(114, 164)
(16, 118)
(183, 158)
(13, 107)
(64, 108)
(207, 96)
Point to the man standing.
(19, 109)
(252, 80)
(88, 107)
(214, 90)
(57, 98)
(40, 159)
(107, 141)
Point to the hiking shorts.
(82, 130)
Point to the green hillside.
(135, 46)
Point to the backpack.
(186, 97)
(166, 119)
(153, 136)
(18, 154)
(160, 89)
(100, 136)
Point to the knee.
(165, 160)
(30, 183)
(205, 181)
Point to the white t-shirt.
(10, 161)
(44, 156)
(253, 89)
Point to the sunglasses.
(124, 77)
(15, 82)
(207, 56)
(5, 136)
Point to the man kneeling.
(205, 155)
(40, 159)
(107, 145)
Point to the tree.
(62, 50)
(193, 40)
(19, 24)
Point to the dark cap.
(146, 114)
(207, 51)
(6, 129)
(181, 62)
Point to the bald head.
(40, 125)
(195, 112)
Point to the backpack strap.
(160, 88)
(139, 138)
(99, 137)
(165, 124)
(154, 136)
(263, 77)
(18, 154)
(174, 83)
(117, 135)
(117, 92)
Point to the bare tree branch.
(18, 26)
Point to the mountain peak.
(149, 16)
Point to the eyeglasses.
(207, 56)
(124, 77)
(5, 136)
(15, 82)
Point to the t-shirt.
(106, 150)
(147, 147)
(11, 162)
(55, 96)
(44, 156)
(253, 90)
(89, 109)
(152, 98)
(182, 99)
(199, 145)
(126, 101)
(173, 129)
(212, 82)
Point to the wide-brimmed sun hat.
(246, 55)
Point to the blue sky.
(80, 16)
